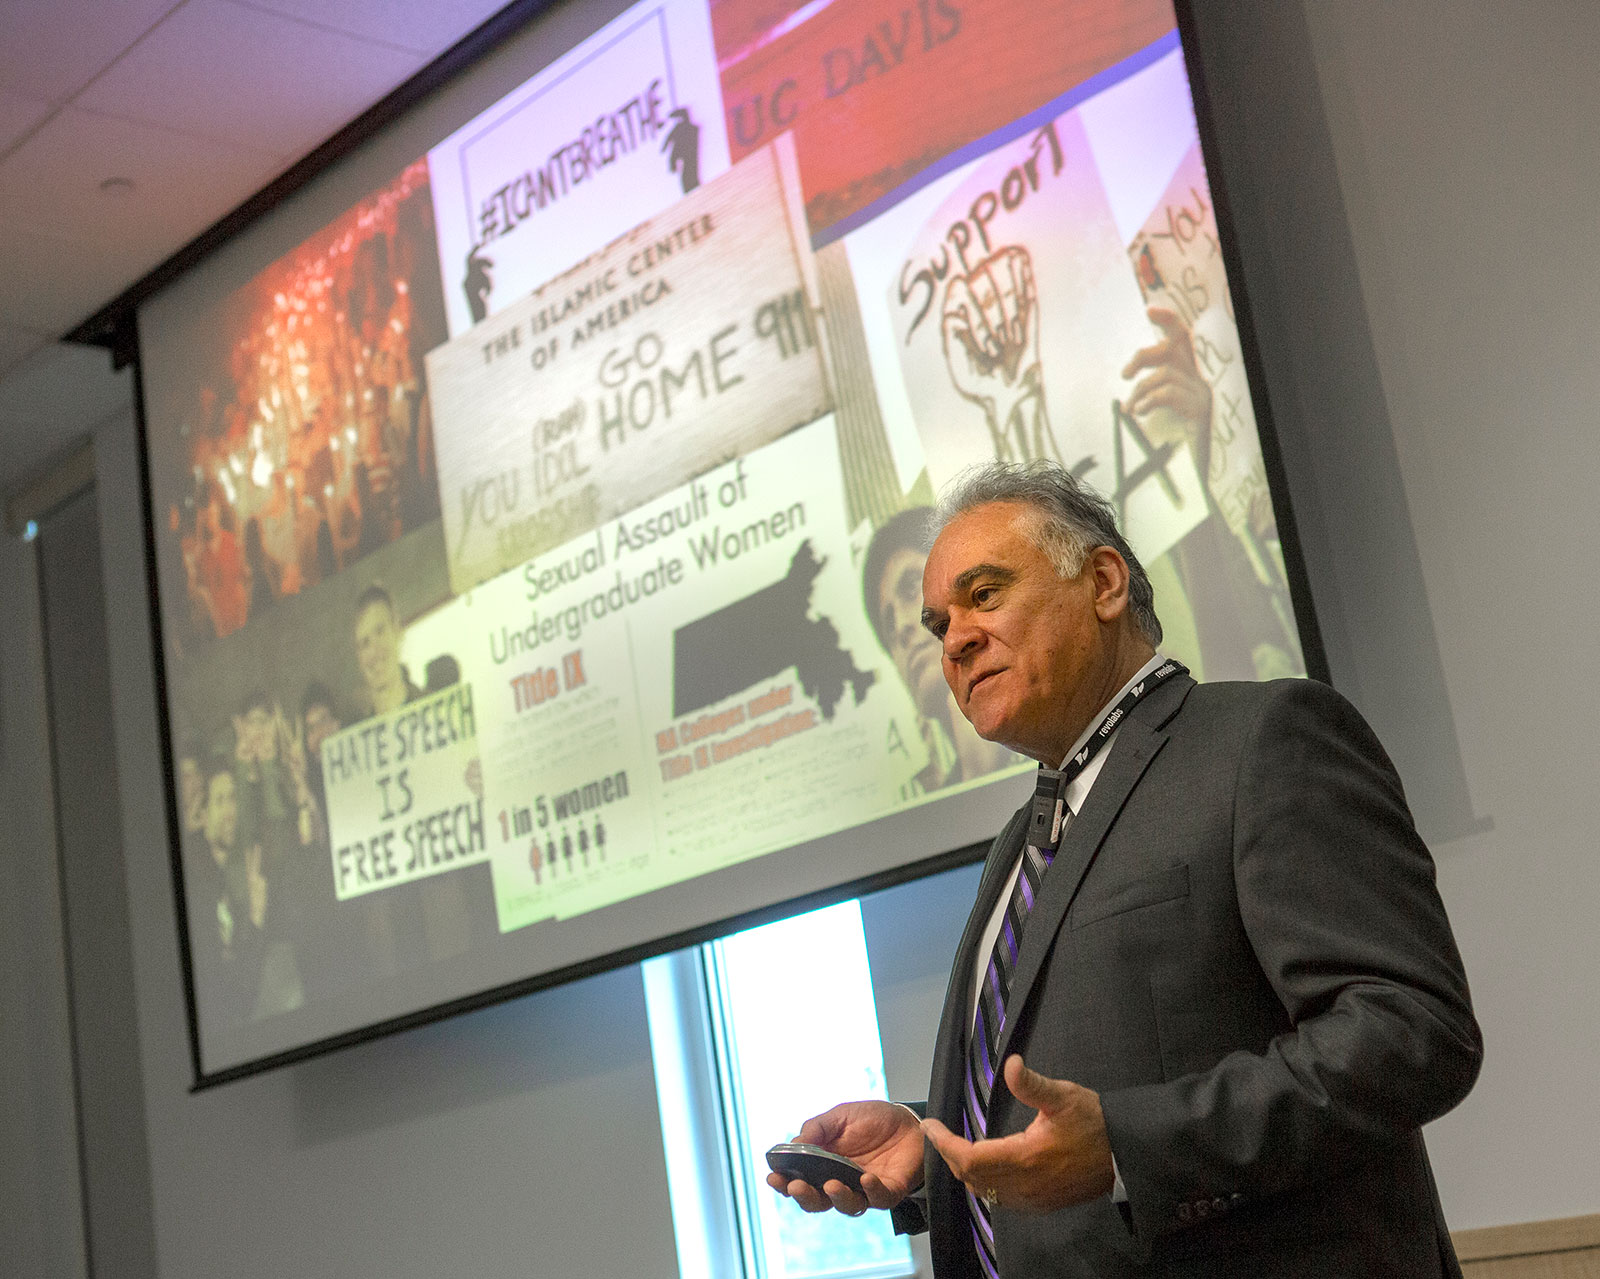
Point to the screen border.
(115, 327)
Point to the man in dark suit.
(1235, 988)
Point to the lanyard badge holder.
(1047, 809)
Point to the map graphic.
(760, 636)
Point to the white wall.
(40, 1229)
(1464, 138)
(1415, 189)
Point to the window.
(730, 1023)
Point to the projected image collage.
(548, 529)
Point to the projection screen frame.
(114, 327)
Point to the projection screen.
(536, 496)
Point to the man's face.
(1021, 644)
(378, 646)
(222, 813)
(320, 725)
(915, 652)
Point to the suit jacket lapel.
(1139, 739)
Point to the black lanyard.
(1050, 790)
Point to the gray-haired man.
(1214, 938)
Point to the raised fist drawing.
(990, 325)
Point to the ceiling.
(127, 127)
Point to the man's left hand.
(1062, 1157)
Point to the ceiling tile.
(52, 48)
(18, 114)
(425, 26)
(16, 345)
(217, 69)
(50, 185)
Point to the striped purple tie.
(1048, 822)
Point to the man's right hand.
(885, 1139)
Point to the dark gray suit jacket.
(1241, 948)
